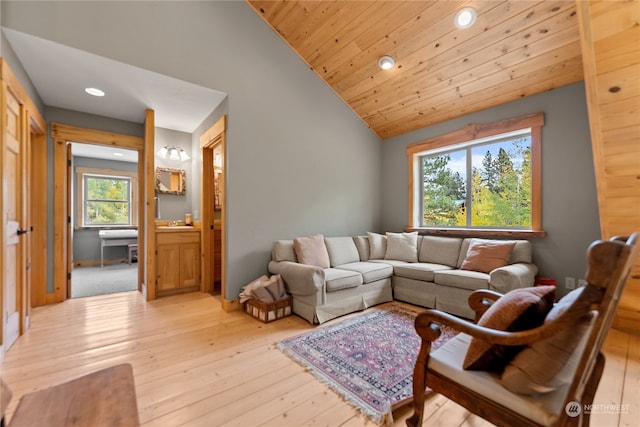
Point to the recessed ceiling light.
(94, 91)
(386, 62)
(465, 17)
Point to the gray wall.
(8, 54)
(86, 242)
(299, 161)
(569, 203)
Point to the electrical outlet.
(582, 282)
(569, 282)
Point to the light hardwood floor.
(196, 365)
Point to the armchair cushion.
(447, 362)
(312, 251)
(518, 310)
(485, 256)
(548, 364)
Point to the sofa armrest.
(300, 279)
(513, 276)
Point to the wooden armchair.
(483, 393)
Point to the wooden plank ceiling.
(515, 49)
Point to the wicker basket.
(269, 311)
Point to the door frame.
(33, 145)
(62, 135)
(212, 137)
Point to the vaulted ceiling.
(515, 49)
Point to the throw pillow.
(377, 245)
(312, 251)
(487, 255)
(402, 246)
(549, 364)
(518, 310)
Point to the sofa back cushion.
(402, 247)
(440, 250)
(377, 245)
(362, 243)
(283, 251)
(342, 250)
(521, 251)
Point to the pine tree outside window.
(486, 184)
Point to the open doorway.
(104, 220)
(212, 203)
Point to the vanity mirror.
(171, 181)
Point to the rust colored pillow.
(312, 251)
(518, 310)
(487, 255)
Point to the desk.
(116, 238)
(100, 399)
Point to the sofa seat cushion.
(370, 271)
(419, 271)
(337, 279)
(463, 279)
(392, 262)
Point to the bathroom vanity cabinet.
(178, 260)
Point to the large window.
(482, 177)
(106, 198)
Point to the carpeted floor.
(90, 281)
(367, 359)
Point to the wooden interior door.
(14, 217)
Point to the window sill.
(471, 232)
(106, 227)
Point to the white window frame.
(132, 177)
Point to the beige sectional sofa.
(340, 275)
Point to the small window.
(482, 177)
(106, 200)
(106, 197)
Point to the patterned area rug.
(367, 359)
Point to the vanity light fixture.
(386, 62)
(173, 153)
(465, 17)
(94, 91)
